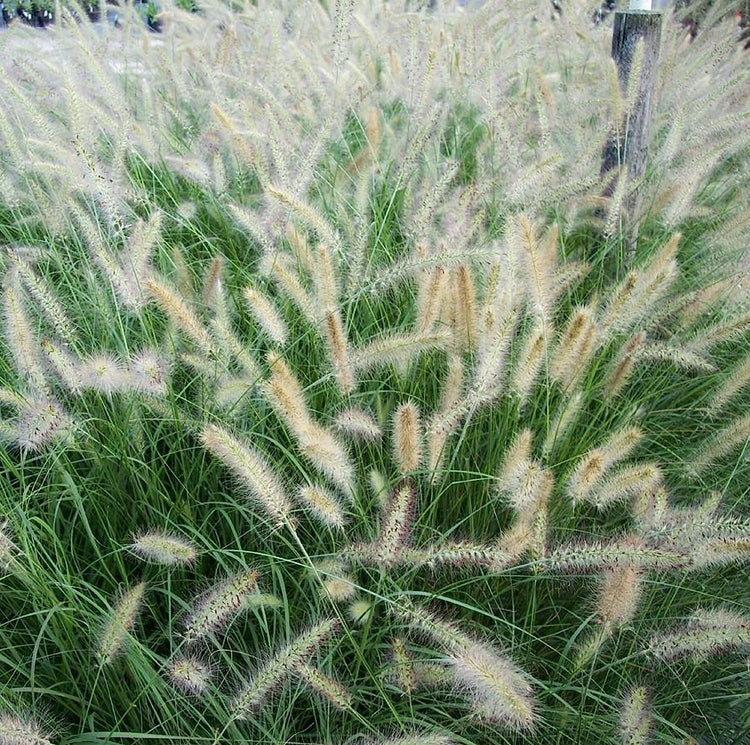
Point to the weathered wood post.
(630, 146)
(627, 148)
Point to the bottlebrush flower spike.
(163, 548)
(323, 504)
(625, 483)
(707, 632)
(337, 694)
(358, 423)
(463, 309)
(182, 316)
(635, 717)
(47, 302)
(530, 361)
(407, 437)
(624, 364)
(396, 523)
(64, 365)
(338, 346)
(103, 373)
(721, 444)
(212, 282)
(737, 380)
(17, 731)
(570, 357)
(432, 288)
(266, 314)
(212, 610)
(23, 345)
(314, 441)
(500, 690)
(190, 674)
(336, 582)
(148, 373)
(251, 469)
(619, 595)
(7, 548)
(121, 620)
(270, 675)
(627, 551)
(397, 349)
(419, 738)
(359, 611)
(39, 422)
(516, 461)
(402, 667)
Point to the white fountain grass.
(387, 308)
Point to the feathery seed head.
(17, 731)
(737, 379)
(270, 675)
(327, 453)
(360, 611)
(285, 394)
(40, 422)
(571, 355)
(358, 423)
(212, 282)
(585, 475)
(500, 690)
(19, 336)
(148, 372)
(338, 346)
(338, 585)
(707, 632)
(395, 524)
(163, 548)
(463, 312)
(420, 738)
(407, 437)
(624, 552)
(402, 666)
(251, 469)
(430, 300)
(189, 674)
(182, 316)
(103, 373)
(721, 444)
(619, 595)
(7, 547)
(327, 687)
(530, 361)
(64, 365)
(635, 718)
(266, 314)
(119, 623)
(626, 483)
(397, 349)
(323, 504)
(212, 610)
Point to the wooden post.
(631, 146)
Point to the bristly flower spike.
(17, 731)
(119, 623)
(635, 717)
(407, 437)
(270, 675)
(163, 548)
(252, 470)
(190, 674)
(213, 609)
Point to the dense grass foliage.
(340, 406)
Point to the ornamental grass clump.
(322, 323)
